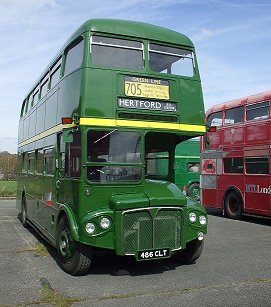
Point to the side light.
(66, 120)
(200, 236)
(211, 129)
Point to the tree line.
(7, 166)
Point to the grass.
(53, 298)
(8, 188)
(38, 249)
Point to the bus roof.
(133, 29)
(239, 102)
(126, 28)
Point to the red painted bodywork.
(246, 139)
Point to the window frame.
(257, 158)
(92, 165)
(232, 109)
(218, 126)
(73, 45)
(171, 54)
(255, 106)
(141, 49)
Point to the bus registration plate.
(148, 88)
(153, 254)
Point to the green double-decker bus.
(187, 166)
(117, 94)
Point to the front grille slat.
(167, 229)
(142, 230)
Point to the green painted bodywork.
(186, 152)
(92, 91)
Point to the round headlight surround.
(192, 217)
(105, 223)
(90, 228)
(202, 220)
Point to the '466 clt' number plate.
(153, 254)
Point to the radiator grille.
(143, 230)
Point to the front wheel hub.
(65, 244)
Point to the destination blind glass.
(147, 105)
(146, 87)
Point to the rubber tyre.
(24, 213)
(74, 258)
(193, 191)
(191, 253)
(233, 206)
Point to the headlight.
(90, 228)
(192, 217)
(202, 220)
(105, 223)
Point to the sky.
(232, 40)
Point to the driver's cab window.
(157, 164)
(159, 156)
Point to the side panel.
(210, 181)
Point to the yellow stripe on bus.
(107, 122)
(104, 122)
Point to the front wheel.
(191, 253)
(233, 206)
(75, 258)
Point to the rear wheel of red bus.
(75, 258)
(233, 205)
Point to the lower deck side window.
(233, 165)
(259, 165)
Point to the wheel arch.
(190, 185)
(190, 182)
(65, 211)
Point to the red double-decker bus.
(235, 157)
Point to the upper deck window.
(214, 120)
(257, 111)
(234, 116)
(74, 56)
(114, 52)
(170, 60)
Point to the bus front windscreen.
(114, 156)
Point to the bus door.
(257, 183)
(69, 167)
(48, 190)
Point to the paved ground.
(234, 270)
